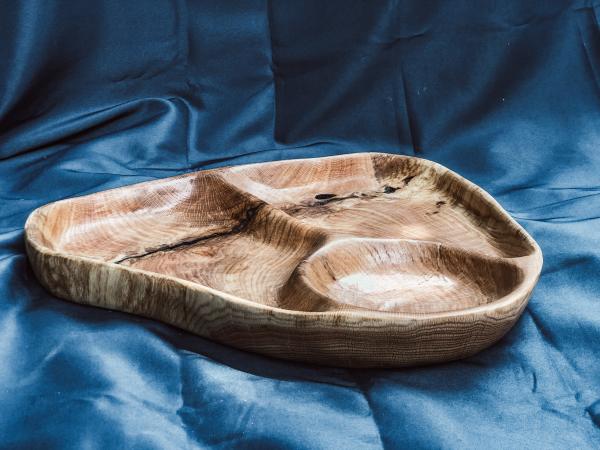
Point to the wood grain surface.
(363, 260)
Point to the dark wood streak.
(250, 213)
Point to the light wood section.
(364, 260)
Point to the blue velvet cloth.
(98, 94)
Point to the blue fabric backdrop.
(98, 94)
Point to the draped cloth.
(100, 94)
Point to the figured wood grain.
(364, 260)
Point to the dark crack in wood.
(240, 226)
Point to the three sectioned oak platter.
(362, 260)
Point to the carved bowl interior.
(398, 275)
(394, 241)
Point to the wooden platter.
(362, 260)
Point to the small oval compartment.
(413, 277)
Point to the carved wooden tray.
(359, 260)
